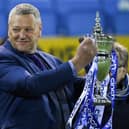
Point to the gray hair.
(23, 9)
(122, 53)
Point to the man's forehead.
(22, 21)
(23, 18)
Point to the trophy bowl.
(104, 44)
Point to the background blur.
(65, 20)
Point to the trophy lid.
(104, 41)
(97, 29)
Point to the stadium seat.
(40, 4)
(3, 6)
(72, 5)
(108, 10)
(49, 24)
(3, 19)
(122, 21)
(81, 23)
(69, 17)
(3, 26)
(78, 15)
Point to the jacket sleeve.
(78, 87)
(17, 80)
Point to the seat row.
(71, 17)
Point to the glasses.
(120, 65)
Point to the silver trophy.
(105, 45)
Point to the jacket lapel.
(49, 62)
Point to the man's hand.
(85, 53)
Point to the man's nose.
(22, 34)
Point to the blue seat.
(3, 5)
(49, 24)
(3, 26)
(108, 10)
(78, 15)
(40, 4)
(122, 21)
(81, 23)
(74, 5)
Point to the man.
(121, 110)
(121, 113)
(37, 91)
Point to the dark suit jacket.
(121, 110)
(29, 98)
(120, 118)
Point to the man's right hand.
(84, 54)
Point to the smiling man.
(37, 90)
(24, 30)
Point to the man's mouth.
(22, 42)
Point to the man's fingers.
(81, 39)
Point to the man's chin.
(23, 49)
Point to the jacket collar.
(49, 61)
(8, 45)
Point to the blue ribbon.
(86, 116)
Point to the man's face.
(24, 32)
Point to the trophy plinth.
(99, 100)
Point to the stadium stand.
(71, 17)
(78, 15)
(122, 21)
(3, 26)
(3, 19)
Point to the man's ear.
(124, 71)
(80, 39)
(121, 73)
(40, 34)
(40, 30)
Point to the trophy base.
(99, 100)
